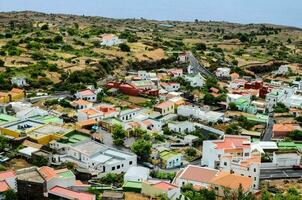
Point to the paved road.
(269, 130)
(197, 67)
(280, 173)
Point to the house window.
(246, 154)
(254, 185)
(216, 188)
(130, 162)
(117, 167)
(242, 174)
(255, 178)
(113, 168)
(254, 169)
(225, 163)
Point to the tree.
(238, 194)
(201, 46)
(124, 47)
(2, 63)
(295, 135)
(232, 129)
(10, 195)
(191, 152)
(118, 135)
(280, 108)
(142, 149)
(232, 106)
(44, 27)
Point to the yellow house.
(15, 94)
(48, 132)
(19, 128)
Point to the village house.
(237, 83)
(223, 72)
(280, 131)
(110, 40)
(15, 94)
(19, 81)
(93, 156)
(196, 80)
(183, 57)
(165, 108)
(203, 177)
(175, 72)
(137, 173)
(283, 70)
(87, 95)
(82, 104)
(181, 127)
(232, 154)
(170, 87)
(203, 114)
(144, 84)
(127, 115)
(7, 182)
(155, 188)
(170, 159)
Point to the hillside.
(63, 52)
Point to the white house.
(129, 114)
(170, 87)
(295, 101)
(201, 114)
(82, 104)
(31, 112)
(170, 159)
(93, 156)
(181, 127)
(196, 80)
(237, 83)
(283, 70)
(87, 95)
(232, 154)
(281, 95)
(110, 40)
(19, 81)
(223, 72)
(137, 173)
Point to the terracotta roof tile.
(70, 194)
(4, 186)
(199, 174)
(164, 186)
(232, 181)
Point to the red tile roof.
(67, 193)
(48, 172)
(4, 186)
(232, 142)
(86, 93)
(164, 104)
(164, 186)
(7, 174)
(199, 174)
(82, 102)
(232, 181)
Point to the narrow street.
(268, 134)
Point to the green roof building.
(132, 186)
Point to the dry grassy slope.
(146, 48)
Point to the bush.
(191, 152)
(142, 149)
(44, 27)
(2, 63)
(124, 47)
(281, 108)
